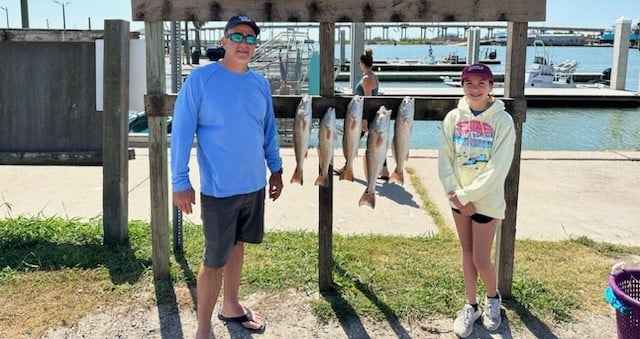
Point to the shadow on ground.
(348, 317)
(44, 255)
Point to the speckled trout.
(377, 146)
(402, 138)
(326, 143)
(351, 135)
(301, 134)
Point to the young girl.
(475, 155)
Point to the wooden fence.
(327, 13)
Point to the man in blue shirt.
(229, 108)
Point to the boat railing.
(284, 61)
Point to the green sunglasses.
(238, 37)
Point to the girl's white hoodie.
(475, 156)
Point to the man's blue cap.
(242, 19)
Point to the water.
(570, 129)
(590, 59)
(565, 129)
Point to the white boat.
(455, 82)
(542, 73)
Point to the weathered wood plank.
(427, 108)
(325, 194)
(514, 88)
(115, 130)
(340, 10)
(48, 97)
(90, 158)
(42, 35)
(516, 60)
(158, 172)
(327, 42)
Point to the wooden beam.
(514, 88)
(115, 132)
(158, 172)
(46, 35)
(86, 158)
(427, 108)
(340, 10)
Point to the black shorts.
(479, 218)
(229, 220)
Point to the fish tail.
(368, 199)
(322, 180)
(297, 177)
(347, 174)
(397, 176)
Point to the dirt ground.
(289, 315)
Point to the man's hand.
(184, 199)
(275, 185)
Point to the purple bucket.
(626, 287)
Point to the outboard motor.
(605, 77)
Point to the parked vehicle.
(215, 53)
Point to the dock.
(537, 97)
(415, 75)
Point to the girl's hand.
(454, 199)
(468, 210)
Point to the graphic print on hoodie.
(473, 142)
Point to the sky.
(48, 14)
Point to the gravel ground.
(289, 315)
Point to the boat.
(608, 36)
(452, 58)
(542, 73)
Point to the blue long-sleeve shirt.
(232, 116)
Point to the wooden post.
(620, 54)
(325, 194)
(513, 88)
(24, 10)
(473, 46)
(357, 48)
(158, 176)
(115, 132)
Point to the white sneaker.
(491, 318)
(463, 325)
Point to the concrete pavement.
(562, 195)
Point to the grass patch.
(60, 265)
(53, 271)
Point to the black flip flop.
(243, 319)
(384, 177)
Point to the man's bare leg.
(208, 289)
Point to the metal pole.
(64, 16)
(176, 82)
